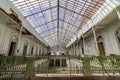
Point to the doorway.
(25, 50)
(64, 64)
(101, 48)
(57, 62)
(82, 46)
(51, 63)
(12, 49)
(32, 51)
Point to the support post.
(74, 49)
(19, 39)
(83, 42)
(97, 49)
(86, 66)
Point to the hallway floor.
(72, 78)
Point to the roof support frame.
(40, 12)
(75, 12)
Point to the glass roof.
(57, 21)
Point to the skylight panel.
(43, 16)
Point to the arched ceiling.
(57, 21)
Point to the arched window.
(25, 48)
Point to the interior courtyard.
(59, 39)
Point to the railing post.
(117, 65)
(29, 67)
(86, 66)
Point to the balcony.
(59, 66)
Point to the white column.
(83, 42)
(19, 41)
(97, 49)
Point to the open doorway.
(12, 45)
(82, 46)
(51, 63)
(12, 49)
(25, 50)
(57, 62)
(32, 51)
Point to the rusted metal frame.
(43, 13)
(26, 5)
(52, 23)
(86, 4)
(21, 6)
(33, 16)
(40, 11)
(64, 14)
(60, 40)
(75, 12)
(93, 9)
(49, 39)
(31, 12)
(58, 22)
(65, 41)
(56, 35)
(72, 14)
(79, 3)
(51, 16)
(68, 30)
(76, 19)
(68, 22)
(49, 35)
(45, 23)
(46, 30)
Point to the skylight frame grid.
(83, 12)
(72, 14)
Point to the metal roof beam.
(45, 23)
(48, 30)
(40, 11)
(75, 12)
(68, 22)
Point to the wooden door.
(101, 48)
